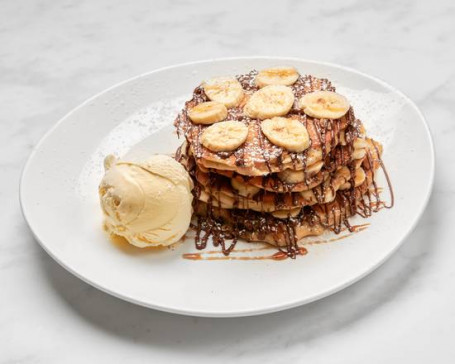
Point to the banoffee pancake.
(275, 156)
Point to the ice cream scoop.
(149, 203)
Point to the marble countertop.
(55, 54)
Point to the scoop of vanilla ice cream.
(148, 203)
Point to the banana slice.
(270, 101)
(314, 168)
(359, 178)
(360, 148)
(291, 176)
(225, 90)
(208, 113)
(277, 76)
(284, 214)
(343, 172)
(344, 186)
(324, 105)
(244, 189)
(287, 133)
(358, 153)
(224, 136)
(309, 196)
(360, 143)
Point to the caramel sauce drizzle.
(280, 255)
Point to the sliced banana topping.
(359, 177)
(344, 186)
(291, 176)
(208, 113)
(225, 90)
(287, 133)
(360, 148)
(358, 153)
(360, 143)
(244, 189)
(343, 172)
(324, 105)
(284, 214)
(309, 196)
(224, 136)
(277, 76)
(270, 101)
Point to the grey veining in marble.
(55, 54)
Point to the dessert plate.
(59, 197)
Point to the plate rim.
(247, 312)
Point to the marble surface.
(55, 54)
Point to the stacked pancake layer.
(275, 156)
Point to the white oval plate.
(59, 196)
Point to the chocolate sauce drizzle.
(225, 227)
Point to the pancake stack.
(275, 156)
